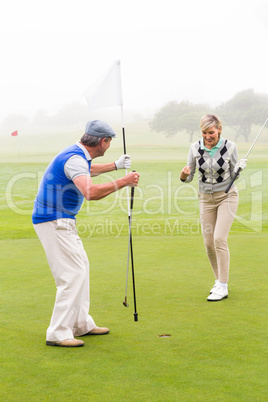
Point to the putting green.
(215, 351)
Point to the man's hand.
(132, 179)
(185, 173)
(98, 191)
(124, 162)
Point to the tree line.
(241, 112)
(69, 115)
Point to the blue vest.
(57, 196)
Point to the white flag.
(107, 90)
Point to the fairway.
(215, 351)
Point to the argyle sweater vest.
(214, 173)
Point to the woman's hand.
(241, 164)
(185, 173)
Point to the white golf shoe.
(218, 293)
(215, 285)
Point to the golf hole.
(164, 336)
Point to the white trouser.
(70, 268)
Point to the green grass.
(163, 205)
(216, 351)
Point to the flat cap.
(99, 128)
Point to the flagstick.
(96, 99)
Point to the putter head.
(125, 302)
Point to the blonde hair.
(208, 121)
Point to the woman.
(216, 161)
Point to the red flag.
(14, 134)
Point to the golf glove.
(124, 162)
(242, 163)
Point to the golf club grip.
(230, 185)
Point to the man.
(65, 184)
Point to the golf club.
(130, 253)
(125, 303)
(238, 170)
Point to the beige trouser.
(70, 268)
(217, 212)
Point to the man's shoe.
(218, 293)
(67, 343)
(98, 331)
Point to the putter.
(238, 170)
(130, 253)
(125, 303)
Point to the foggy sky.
(53, 50)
